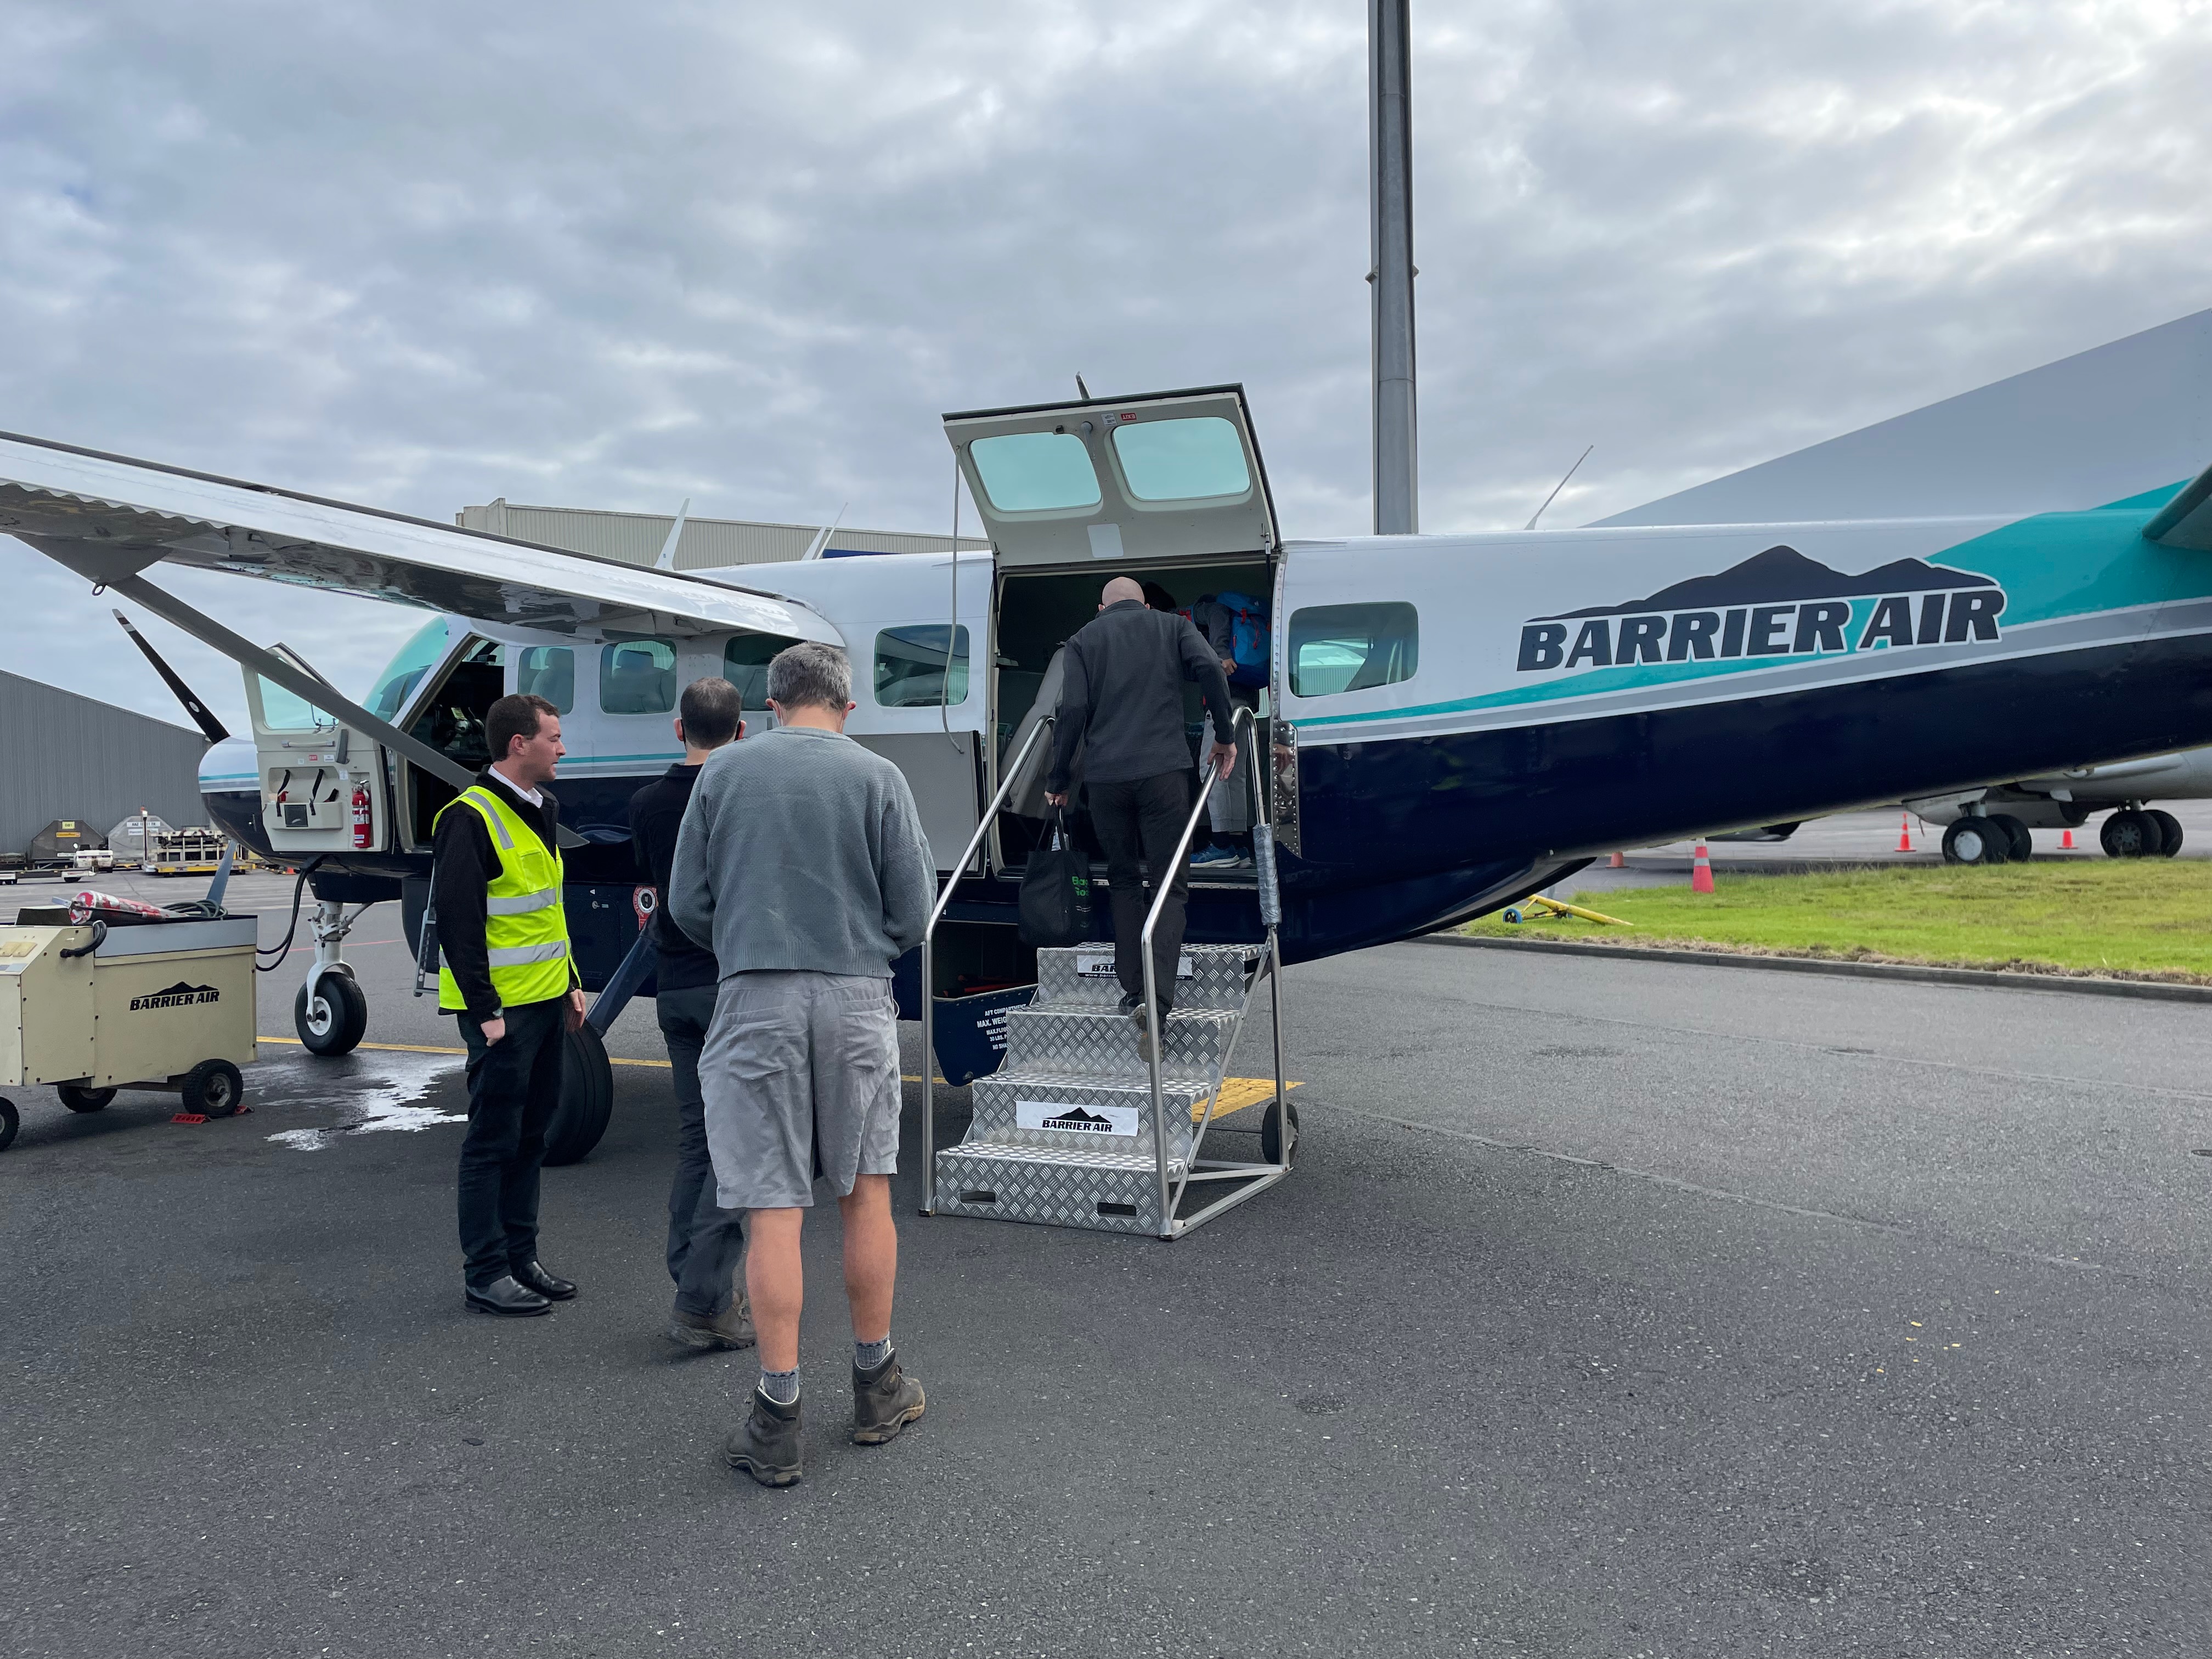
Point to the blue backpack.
(1236, 624)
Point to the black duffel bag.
(1055, 907)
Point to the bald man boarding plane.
(1121, 697)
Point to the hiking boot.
(884, 1400)
(731, 1329)
(766, 1446)
(1145, 1028)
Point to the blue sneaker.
(1214, 855)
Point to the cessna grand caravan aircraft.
(2012, 582)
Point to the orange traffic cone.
(1701, 871)
(1904, 833)
(2066, 841)
(1616, 862)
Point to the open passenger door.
(322, 783)
(1168, 476)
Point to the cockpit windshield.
(405, 672)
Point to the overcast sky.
(419, 255)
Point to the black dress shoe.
(533, 1277)
(508, 1299)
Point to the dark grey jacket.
(1123, 694)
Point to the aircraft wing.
(2102, 427)
(107, 518)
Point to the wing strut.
(305, 687)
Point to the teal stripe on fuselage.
(2052, 565)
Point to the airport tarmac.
(1615, 1308)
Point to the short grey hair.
(810, 675)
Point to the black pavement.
(1615, 1308)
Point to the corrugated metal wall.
(66, 756)
(636, 538)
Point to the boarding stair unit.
(1077, 1128)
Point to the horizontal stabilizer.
(2186, 520)
(107, 517)
(2100, 427)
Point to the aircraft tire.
(588, 1100)
(2170, 826)
(2019, 840)
(1278, 1129)
(1972, 840)
(337, 1019)
(11, 1121)
(83, 1100)
(2129, 834)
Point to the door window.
(910, 667)
(1196, 459)
(1352, 647)
(282, 712)
(1036, 471)
(637, 676)
(547, 672)
(405, 674)
(746, 659)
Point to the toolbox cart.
(164, 1004)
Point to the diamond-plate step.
(1081, 1187)
(1099, 1039)
(1084, 974)
(1053, 1109)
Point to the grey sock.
(869, 1355)
(781, 1387)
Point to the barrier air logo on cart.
(1075, 1120)
(1775, 604)
(179, 995)
(1099, 964)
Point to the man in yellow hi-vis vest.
(503, 968)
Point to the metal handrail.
(1163, 883)
(928, 965)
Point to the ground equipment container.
(166, 1005)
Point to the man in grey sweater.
(802, 858)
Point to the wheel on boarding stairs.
(335, 1019)
(588, 1099)
(1279, 1134)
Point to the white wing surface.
(107, 517)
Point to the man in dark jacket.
(505, 971)
(705, 1243)
(1121, 700)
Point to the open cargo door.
(1168, 476)
(322, 784)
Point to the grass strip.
(2147, 919)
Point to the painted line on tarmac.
(1678, 1184)
(425, 1049)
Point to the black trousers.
(1136, 822)
(515, 1085)
(705, 1240)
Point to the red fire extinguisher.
(361, 818)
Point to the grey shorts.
(800, 1075)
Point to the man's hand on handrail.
(1221, 757)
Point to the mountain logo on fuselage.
(1775, 604)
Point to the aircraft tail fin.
(2186, 520)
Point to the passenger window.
(746, 658)
(547, 672)
(1035, 472)
(1352, 647)
(910, 667)
(1191, 460)
(637, 676)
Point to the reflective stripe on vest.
(525, 926)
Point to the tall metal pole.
(1390, 200)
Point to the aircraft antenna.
(1557, 488)
(1081, 390)
(667, 559)
(1390, 201)
(816, 548)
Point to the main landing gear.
(1998, 838)
(2135, 833)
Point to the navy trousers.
(705, 1240)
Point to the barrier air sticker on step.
(1075, 1120)
(1099, 964)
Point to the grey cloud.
(419, 255)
